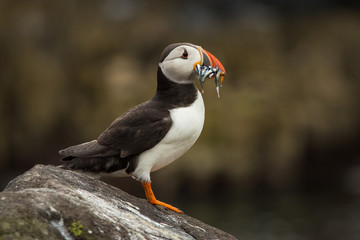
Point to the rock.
(48, 202)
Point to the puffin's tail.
(95, 164)
(94, 158)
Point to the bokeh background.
(279, 156)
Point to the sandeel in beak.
(210, 67)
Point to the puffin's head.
(184, 62)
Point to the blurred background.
(279, 156)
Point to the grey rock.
(47, 202)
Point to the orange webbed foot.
(151, 198)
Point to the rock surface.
(47, 202)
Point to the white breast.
(187, 123)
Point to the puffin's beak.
(208, 67)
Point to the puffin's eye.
(185, 54)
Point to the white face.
(178, 66)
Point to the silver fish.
(208, 72)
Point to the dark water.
(288, 217)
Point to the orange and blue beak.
(208, 67)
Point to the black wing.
(87, 149)
(137, 130)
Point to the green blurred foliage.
(289, 111)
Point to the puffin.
(153, 134)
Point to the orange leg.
(151, 198)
